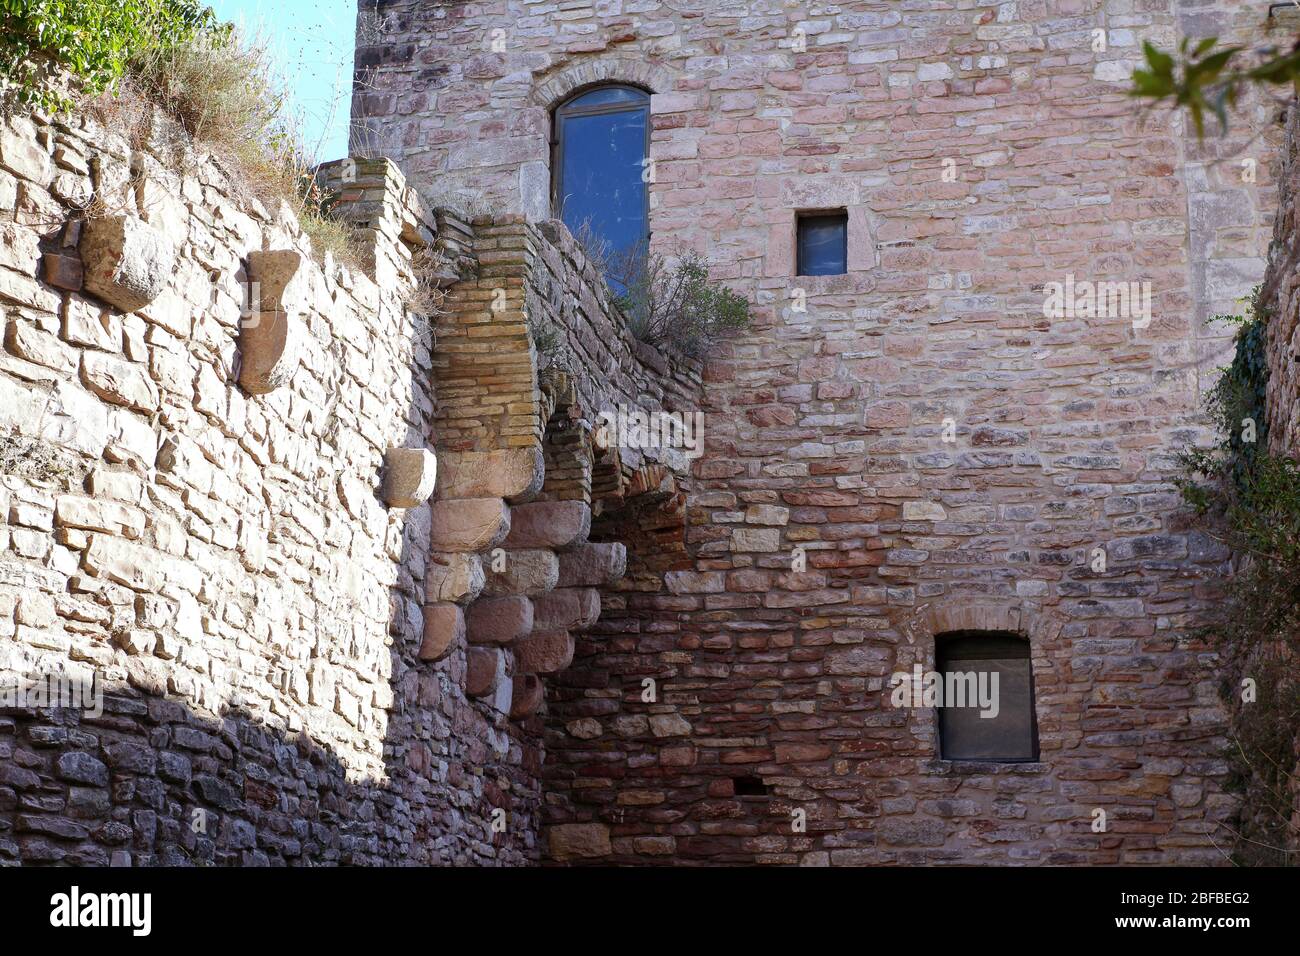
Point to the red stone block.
(548, 524)
(444, 628)
(567, 609)
(593, 565)
(499, 620)
(528, 695)
(544, 652)
(483, 669)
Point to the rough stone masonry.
(216, 459)
(360, 586)
(825, 427)
(285, 565)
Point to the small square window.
(823, 243)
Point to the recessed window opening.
(986, 711)
(822, 242)
(749, 786)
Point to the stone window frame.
(781, 259)
(536, 176)
(598, 72)
(1038, 627)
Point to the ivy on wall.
(1250, 500)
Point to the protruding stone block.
(566, 609)
(593, 565)
(528, 694)
(469, 524)
(126, 262)
(528, 571)
(484, 666)
(270, 348)
(279, 281)
(573, 841)
(515, 474)
(499, 620)
(444, 628)
(409, 476)
(544, 652)
(549, 524)
(456, 577)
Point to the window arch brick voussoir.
(636, 72)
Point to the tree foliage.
(1210, 78)
(94, 40)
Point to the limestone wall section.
(194, 511)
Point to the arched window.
(599, 152)
(986, 711)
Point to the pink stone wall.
(826, 427)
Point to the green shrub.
(1236, 406)
(674, 304)
(677, 305)
(128, 56)
(94, 40)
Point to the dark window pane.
(601, 162)
(968, 663)
(823, 245)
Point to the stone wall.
(981, 152)
(1281, 300)
(1282, 282)
(201, 508)
(524, 466)
(217, 461)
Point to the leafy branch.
(1209, 78)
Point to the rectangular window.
(823, 243)
(967, 662)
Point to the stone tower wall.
(825, 428)
(1283, 397)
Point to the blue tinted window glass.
(823, 245)
(601, 164)
(606, 95)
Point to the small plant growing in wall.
(1250, 501)
(546, 339)
(675, 303)
(670, 302)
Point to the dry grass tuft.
(223, 90)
